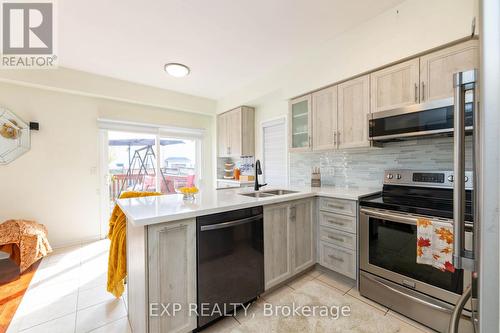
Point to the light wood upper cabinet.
(277, 259)
(222, 135)
(303, 235)
(172, 274)
(437, 69)
(324, 118)
(395, 86)
(353, 110)
(236, 132)
(300, 124)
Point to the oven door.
(388, 250)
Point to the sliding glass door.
(178, 164)
(153, 161)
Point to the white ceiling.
(227, 43)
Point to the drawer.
(338, 259)
(337, 221)
(347, 207)
(337, 237)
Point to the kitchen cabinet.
(222, 135)
(337, 235)
(277, 259)
(288, 240)
(172, 274)
(300, 127)
(424, 79)
(353, 111)
(395, 86)
(324, 118)
(437, 69)
(303, 236)
(236, 132)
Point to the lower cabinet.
(172, 274)
(288, 240)
(338, 259)
(337, 235)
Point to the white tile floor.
(68, 295)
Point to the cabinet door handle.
(416, 93)
(334, 138)
(423, 91)
(310, 141)
(335, 258)
(336, 238)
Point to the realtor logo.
(27, 34)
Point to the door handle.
(231, 223)
(422, 92)
(416, 93)
(462, 82)
(455, 316)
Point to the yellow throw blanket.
(117, 262)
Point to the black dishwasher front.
(230, 261)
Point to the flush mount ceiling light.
(177, 70)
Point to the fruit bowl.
(188, 192)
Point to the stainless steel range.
(389, 272)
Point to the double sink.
(270, 193)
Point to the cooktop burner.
(422, 193)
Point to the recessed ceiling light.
(177, 70)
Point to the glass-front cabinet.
(300, 138)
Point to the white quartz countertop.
(166, 208)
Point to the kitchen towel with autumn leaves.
(435, 244)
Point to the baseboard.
(82, 241)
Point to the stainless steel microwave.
(426, 119)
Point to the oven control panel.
(425, 178)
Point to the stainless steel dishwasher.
(230, 261)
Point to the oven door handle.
(406, 219)
(389, 216)
(413, 298)
(231, 223)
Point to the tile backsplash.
(365, 167)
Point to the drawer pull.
(336, 222)
(335, 206)
(335, 258)
(336, 238)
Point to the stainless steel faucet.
(258, 171)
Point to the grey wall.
(365, 167)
